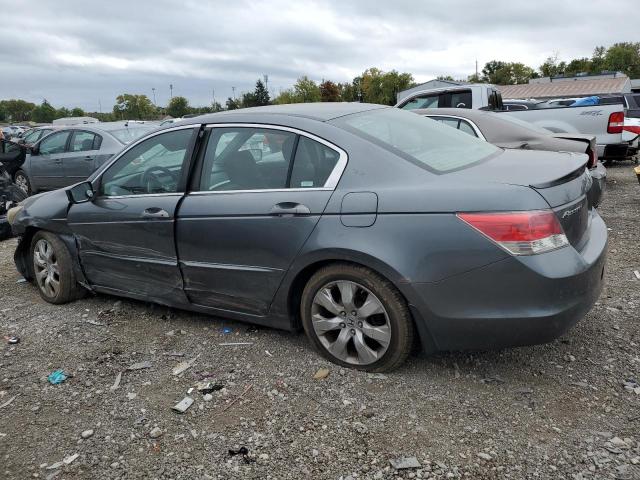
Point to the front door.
(81, 159)
(258, 197)
(45, 167)
(126, 234)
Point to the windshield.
(129, 134)
(427, 143)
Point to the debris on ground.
(205, 387)
(140, 365)
(244, 451)
(632, 386)
(321, 374)
(56, 377)
(12, 340)
(183, 405)
(637, 274)
(404, 463)
(268, 353)
(492, 379)
(86, 434)
(246, 390)
(234, 344)
(155, 432)
(8, 402)
(183, 366)
(116, 383)
(485, 456)
(227, 330)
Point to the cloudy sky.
(84, 53)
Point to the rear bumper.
(599, 177)
(516, 301)
(613, 150)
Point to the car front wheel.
(53, 269)
(356, 318)
(22, 181)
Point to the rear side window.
(313, 164)
(426, 143)
(424, 101)
(54, 143)
(467, 128)
(82, 141)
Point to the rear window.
(429, 144)
(129, 134)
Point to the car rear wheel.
(22, 181)
(356, 318)
(53, 269)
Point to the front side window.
(424, 101)
(420, 140)
(32, 136)
(239, 158)
(153, 166)
(82, 141)
(54, 143)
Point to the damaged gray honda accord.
(368, 226)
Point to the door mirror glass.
(80, 193)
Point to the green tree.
(476, 79)
(77, 112)
(329, 92)
(178, 107)
(350, 92)
(17, 110)
(624, 57)
(445, 77)
(552, 67)
(494, 71)
(306, 90)
(598, 60)
(232, 104)
(43, 113)
(520, 73)
(133, 107)
(63, 112)
(578, 65)
(286, 96)
(261, 94)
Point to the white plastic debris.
(183, 405)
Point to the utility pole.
(153, 89)
(266, 81)
(213, 96)
(476, 69)
(170, 91)
(99, 106)
(233, 89)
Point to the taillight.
(520, 233)
(616, 122)
(593, 158)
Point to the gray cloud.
(79, 53)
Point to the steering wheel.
(151, 178)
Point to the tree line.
(372, 86)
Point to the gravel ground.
(553, 411)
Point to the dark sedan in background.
(512, 133)
(68, 155)
(366, 225)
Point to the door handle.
(155, 212)
(57, 161)
(289, 208)
(88, 157)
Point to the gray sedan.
(71, 154)
(508, 132)
(367, 226)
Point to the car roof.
(469, 113)
(322, 111)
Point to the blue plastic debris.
(57, 377)
(227, 330)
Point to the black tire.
(16, 194)
(399, 318)
(67, 287)
(21, 178)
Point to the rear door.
(46, 167)
(81, 159)
(258, 195)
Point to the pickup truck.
(604, 121)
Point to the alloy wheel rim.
(46, 268)
(351, 322)
(21, 182)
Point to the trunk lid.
(562, 179)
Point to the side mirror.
(80, 193)
(33, 150)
